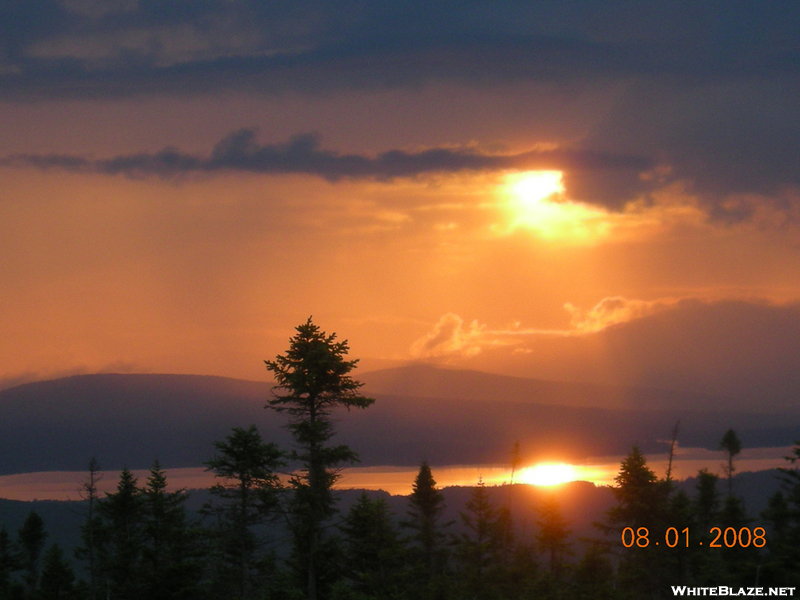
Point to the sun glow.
(536, 202)
(549, 474)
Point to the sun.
(536, 201)
(535, 186)
(549, 474)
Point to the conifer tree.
(87, 551)
(9, 561)
(426, 505)
(374, 553)
(732, 446)
(642, 502)
(312, 380)
(31, 539)
(706, 501)
(594, 575)
(480, 549)
(119, 540)
(782, 517)
(246, 497)
(170, 562)
(58, 577)
(553, 534)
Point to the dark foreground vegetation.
(261, 537)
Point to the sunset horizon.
(417, 249)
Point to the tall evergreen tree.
(426, 505)
(119, 540)
(170, 560)
(374, 553)
(706, 567)
(706, 501)
(594, 575)
(31, 539)
(312, 380)
(58, 578)
(782, 517)
(479, 550)
(9, 561)
(642, 502)
(732, 446)
(246, 497)
(87, 551)
(553, 534)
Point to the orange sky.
(678, 193)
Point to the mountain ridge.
(132, 419)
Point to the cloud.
(239, 151)
(613, 310)
(708, 89)
(742, 355)
(447, 338)
(88, 48)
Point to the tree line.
(141, 541)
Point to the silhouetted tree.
(680, 516)
(553, 534)
(170, 561)
(782, 516)
(741, 562)
(426, 505)
(87, 551)
(119, 539)
(732, 446)
(31, 539)
(374, 553)
(640, 497)
(58, 577)
(246, 497)
(707, 567)
(312, 379)
(480, 550)
(642, 502)
(9, 562)
(706, 501)
(594, 575)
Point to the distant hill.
(128, 420)
(426, 380)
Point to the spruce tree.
(245, 498)
(31, 539)
(312, 380)
(479, 550)
(9, 561)
(732, 446)
(783, 517)
(426, 505)
(374, 553)
(58, 578)
(88, 550)
(119, 540)
(170, 561)
(642, 505)
(553, 534)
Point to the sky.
(579, 191)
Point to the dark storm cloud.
(240, 151)
(88, 48)
(712, 86)
(742, 351)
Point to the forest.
(271, 527)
